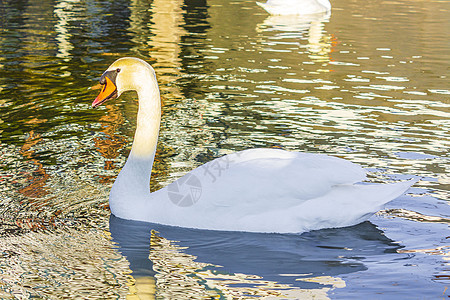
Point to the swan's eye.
(118, 70)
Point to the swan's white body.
(258, 190)
(295, 7)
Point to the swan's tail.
(372, 198)
(348, 205)
(384, 193)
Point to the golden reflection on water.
(110, 144)
(64, 12)
(37, 179)
(87, 264)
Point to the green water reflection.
(368, 82)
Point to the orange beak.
(108, 91)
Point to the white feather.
(295, 7)
(258, 190)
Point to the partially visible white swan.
(295, 7)
(258, 190)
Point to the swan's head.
(125, 74)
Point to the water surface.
(367, 82)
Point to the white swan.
(295, 7)
(258, 190)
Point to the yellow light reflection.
(63, 11)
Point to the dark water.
(368, 83)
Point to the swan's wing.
(261, 179)
(270, 190)
(342, 207)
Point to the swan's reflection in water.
(171, 260)
(310, 27)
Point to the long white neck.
(148, 122)
(133, 181)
